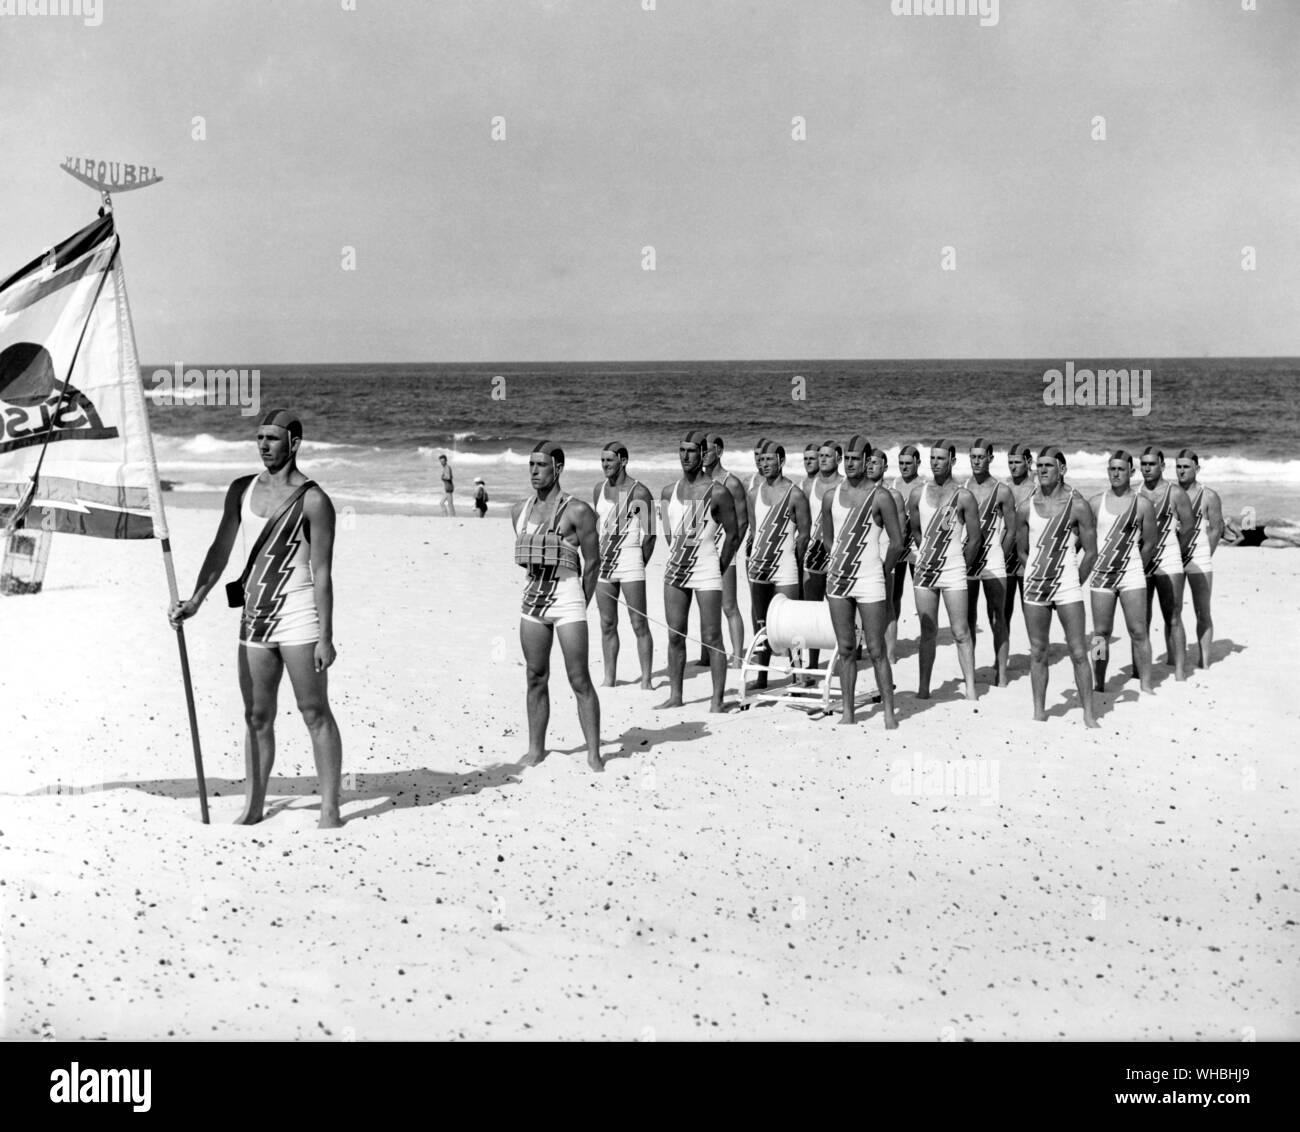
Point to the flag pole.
(132, 361)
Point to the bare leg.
(710, 603)
(995, 598)
(1169, 589)
(843, 617)
(677, 608)
(573, 645)
(259, 681)
(536, 638)
(607, 604)
(760, 597)
(1038, 624)
(927, 608)
(731, 611)
(874, 617)
(897, 585)
(1134, 604)
(311, 688)
(634, 595)
(814, 589)
(1202, 586)
(955, 602)
(1103, 622)
(1075, 624)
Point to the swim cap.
(1188, 454)
(880, 454)
(1152, 450)
(712, 440)
(1121, 454)
(758, 445)
(858, 445)
(834, 444)
(616, 446)
(1022, 450)
(982, 445)
(769, 447)
(948, 446)
(1055, 453)
(812, 446)
(696, 436)
(282, 418)
(551, 449)
(909, 450)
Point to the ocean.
(373, 433)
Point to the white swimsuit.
(621, 534)
(855, 571)
(939, 562)
(553, 594)
(1199, 561)
(1053, 574)
(279, 598)
(991, 563)
(772, 559)
(693, 555)
(1119, 557)
(1168, 558)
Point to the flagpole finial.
(106, 203)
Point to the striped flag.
(76, 453)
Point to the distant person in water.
(288, 611)
(480, 496)
(448, 504)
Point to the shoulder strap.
(278, 514)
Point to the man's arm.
(214, 563)
(319, 513)
(1213, 518)
(644, 503)
(1147, 517)
(1007, 503)
(970, 514)
(1022, 532)
(724, 513)
(802, 523)
(887, 510)
(1186, 521)
(913, 517)
(828, 522)
(739, 503)
(584, 526)
(1087, 529)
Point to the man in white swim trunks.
(1126, 540)
(288, 609)
(625, 514)
(693, 509)
(712, 462)
(997, 511)
(1049, 522)
(556, 542)
(1166, 579)
(854, 516)
(944, 526)
(777, 542)
(1207, 530)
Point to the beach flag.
(76, 453)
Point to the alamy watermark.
(945, 778)
(90, 11)
(180, 386)
(1102, 388)
(987, 10)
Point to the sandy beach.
(755, 875)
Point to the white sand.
(750, 875)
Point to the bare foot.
(923, 693)
(532, 759)
(1148, 688)
(647, 684)
(595, 761)
(1040, 717)
(1091, 724)
(329, 819)
(249, 816)
(609, 682)
(703, 662)
(670, 702)
(891, 724)
(717, 707)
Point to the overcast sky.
(371, 129)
